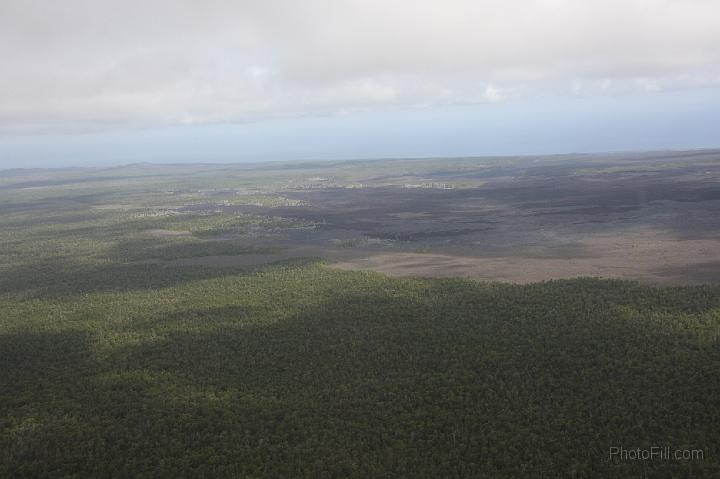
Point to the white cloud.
(94, 63)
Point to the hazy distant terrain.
(651, 217)
(233, 321)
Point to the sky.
(105, 82)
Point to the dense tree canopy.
(116, 360)
(299, 370)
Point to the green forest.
(114, 363)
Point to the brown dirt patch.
(648, 256)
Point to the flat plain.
(647, 217)
(464, 317)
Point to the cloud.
(102, 63)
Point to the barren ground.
(654, 219)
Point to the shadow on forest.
(162, 249)
(61, 277)
(462, 380)
(32, 360)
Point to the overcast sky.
(99, 82)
